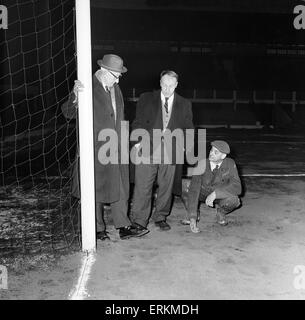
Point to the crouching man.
(219, 185)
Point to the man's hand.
(78, 86)
(210, 199)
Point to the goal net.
(38, 144)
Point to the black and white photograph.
(152, 150)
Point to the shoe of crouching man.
(163, 225)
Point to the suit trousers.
(224, 206)
(145, 176)
(119, 211)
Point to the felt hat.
(112, 62)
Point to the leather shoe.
(163, 225)
(139, 229)
(102, 235)
(128, 232)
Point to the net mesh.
(38, 144)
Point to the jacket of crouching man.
(225, 182)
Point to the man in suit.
(218, 185)
(159, 110)
(111, 179)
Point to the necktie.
(214, 172)
(216, 169)
(166, 105)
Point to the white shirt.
(166, 116)
(213, 165)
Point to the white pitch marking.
(274, 175)
(190, 173)
(80, 291)
(270, 142)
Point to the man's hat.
(221, 145)
(112, 62)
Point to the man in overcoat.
(111, 179)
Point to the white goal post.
(85, 109)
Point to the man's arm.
(233, 187)
(69, 108)
(138, 121)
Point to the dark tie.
(166, 105)
(214, 172)
(215, 169)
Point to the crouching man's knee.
(229, 204)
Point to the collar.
(170, 99)
(213, 165)
(102, 82)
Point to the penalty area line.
(189, 174)
(273, 175)
(269, 142)
(80, 291)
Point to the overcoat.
(107, 176)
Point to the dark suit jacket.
(149, 117)
(107, 176)
(225, 184)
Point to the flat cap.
(221, 145)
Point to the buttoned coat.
(107, 176)
(149, 117)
